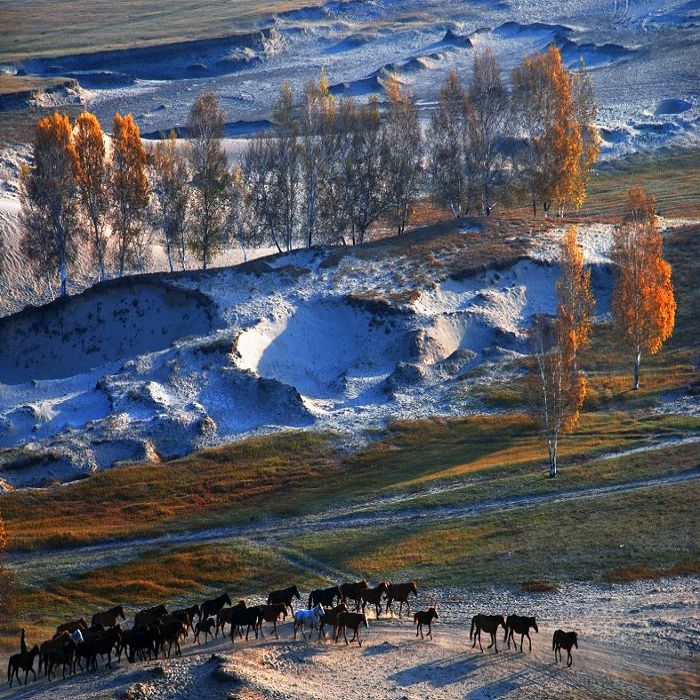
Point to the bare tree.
(210, 176)
(367, 176)
(240, 216)
(170, 189)
(554, 388)
(316, 128)
(49, 213)
(403, 153)
(487, 112)
(286, 163)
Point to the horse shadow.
(499, 689)
(381, 648)
(437, 673)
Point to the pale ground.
(638, 640)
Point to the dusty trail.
(33, 566)
(637, 640)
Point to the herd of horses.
(340, 608)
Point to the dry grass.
(60, 27)
(11, 84)
(182, 575)
(589, 539)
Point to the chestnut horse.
(331, 618)
(400, 592)
(271, 613)
(487, 623)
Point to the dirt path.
(35, 566)
(638, 640)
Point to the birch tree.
(555, 389)
(129, 193)
(49, 214)
(93, 182)
(171, 197)
(403, 153)
(210, 175)
(643, 306)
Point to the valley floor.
(637, 640)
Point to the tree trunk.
(553, 462)
(637, 358)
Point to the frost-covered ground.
(644, 56)
(153, 367)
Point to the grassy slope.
(53, 27)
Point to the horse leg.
(345, 635)
(274, 629)
(569, 658)
(479, 633)
(521, 641)
(527, 634)
(417, 626)
(495, 642)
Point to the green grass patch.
(588, 539)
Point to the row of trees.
(643, 313)
(326, 172)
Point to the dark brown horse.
(425, 617)
(352, 620)
(400, 592)
(187, 615)
(374, 596)
(62, 654)
(206, 627)
(487, 623)
(23, 661)
(225, 615)
(517, 624)
(272, 613)
(353, 591)
(72, 626)
(284, 597)
(324, 596)
(331, 618)
(170, 633)
(46, 647)
(564, 640)
(147, 617)
(108, 618)
(250, 618)
(211, 607)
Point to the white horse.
(308, 618)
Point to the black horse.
(209, 608)
(325, 596)
(285, 597)
(517, 624)
(487, 623)
(24, 661)
(564, 640)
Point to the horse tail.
(554, 641)
(9, 669)
(471, 631)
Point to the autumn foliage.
(129, 190)
(644, 306)
(555, 110)
(575, 296)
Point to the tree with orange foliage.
(576, 300)
(49, 211)
(553, 111)
(555, 388)
(129, 192)
(644, 306)
(93, 181)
